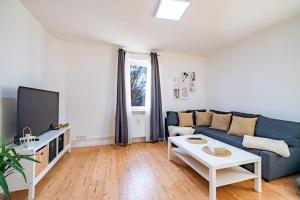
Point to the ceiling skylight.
(171, 9)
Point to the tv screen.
(37, 109)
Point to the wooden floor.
(140, 171)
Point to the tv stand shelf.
(39, 149)
(43, 139)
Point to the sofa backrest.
(246, 115)
(279, 130)
(172, 118)
(219, 112)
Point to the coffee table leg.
(169, 150)
(212, 184)
(257, 171)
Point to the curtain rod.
(132, 52)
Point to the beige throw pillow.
(203, 118)
(185, 119)
(221, 121)
(242, 126)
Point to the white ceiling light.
(171, 9)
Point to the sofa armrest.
(166, 129)
(275, 166)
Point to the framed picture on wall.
(184, 85)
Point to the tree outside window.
(138, 82)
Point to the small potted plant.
(9, 164)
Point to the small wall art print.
(184, 85)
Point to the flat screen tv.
(36, 109)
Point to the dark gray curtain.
(156, 120)
(121, 128)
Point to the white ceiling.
(206, 26)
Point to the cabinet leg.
(31, 192)
(69, 150)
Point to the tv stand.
(51, 146)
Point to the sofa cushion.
(206, 131)
(200, 129)
(221, 121)
(203, 118)
(185, 119)
(242, 126)
(172, 118)
(279, 130)
(194, 114)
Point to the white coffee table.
(218, 171)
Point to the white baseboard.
(138, 139)
(101, 141)
(93, 141)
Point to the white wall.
(170, 66)
(84, 74)
(259, 74)
(29, 56)
(91, 88)
(91, 76)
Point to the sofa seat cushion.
(206, 130)
(279, 130)
(219, 135)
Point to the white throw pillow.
(277, 146)
(175, 130)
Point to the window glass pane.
(138, 81)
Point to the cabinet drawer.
(42, 156)
(67, 137)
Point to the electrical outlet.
(80, 137)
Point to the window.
(138, 83)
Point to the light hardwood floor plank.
(141, 171)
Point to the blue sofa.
(273, 165)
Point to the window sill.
(136, 112)
(140, 110)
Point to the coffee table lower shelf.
(223, 176)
